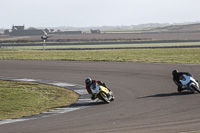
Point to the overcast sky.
(84, 13)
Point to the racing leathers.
(176, 78)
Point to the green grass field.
(176, 55)
(19, 99)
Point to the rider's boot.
(180, 89)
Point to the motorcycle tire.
(195, 88)
(104, 97)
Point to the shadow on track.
(168, 94)
(86, 104)
(80, 105)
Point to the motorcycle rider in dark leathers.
(176, 78)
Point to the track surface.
(146, 98)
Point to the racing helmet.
(174, 72)
(88, 81)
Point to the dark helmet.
(174, 72)
(88, 81)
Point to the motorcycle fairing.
(185, 80)
(96, 88)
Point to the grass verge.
(19, 99)
(177, 55)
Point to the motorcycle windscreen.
(94, 88)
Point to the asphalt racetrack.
(146, 98)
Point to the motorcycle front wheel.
(195, 88)
(103, 96)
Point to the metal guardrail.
(101, 43)
(136, 47)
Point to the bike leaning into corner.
(101, 92)
(189, 83)
(185, 81)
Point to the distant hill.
(179, 28)
(149, 27)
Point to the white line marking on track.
(62, 84)
(81, 91)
